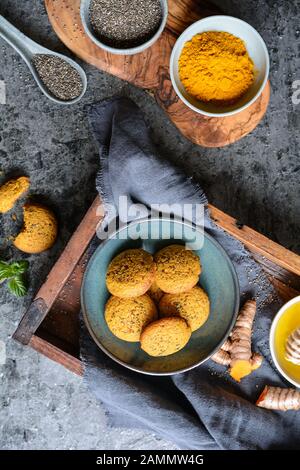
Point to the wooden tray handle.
(31, 320)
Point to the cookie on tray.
(130, 274)
(11, 191)
(165, 336)
(126, 318)
(39, 230)
(193, 306)
(177, 269)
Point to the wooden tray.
(50, 325)
(150, 70)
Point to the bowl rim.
(184, 369)
(246, 105)
(275, 321)
(131, 50)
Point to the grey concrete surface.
(256, 180)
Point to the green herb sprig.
(14, 273)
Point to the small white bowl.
(276, 319)
(85, 19)
(257, 51)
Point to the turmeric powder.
(215, 67)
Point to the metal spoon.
(28, 49)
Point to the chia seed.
(59, 77)
(125, 23)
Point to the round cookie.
(39, 230)
(155, 292)
(177, 269)
(165, 336)
(130, 273)
(11, 191)
(127, 317)
(193, 306)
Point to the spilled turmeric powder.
(215, 67)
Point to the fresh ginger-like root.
(240, 369)
(281, 399)
(221, 357)
(241, 353)
(241, 334)
(227, 345)
(236, 351)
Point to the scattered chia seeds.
(125, 23)
(59, 77)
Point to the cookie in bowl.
(177, 269)
(130, 273)
(126, 318)
(165, 336)
(193, 306)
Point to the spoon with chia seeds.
(61, 79)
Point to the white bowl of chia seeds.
(124, 27)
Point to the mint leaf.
(13, 272)
(19, 267)
(17, 286)
(5, 270)
(8, 270)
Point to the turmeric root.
(236, 351)
(227, 345)
(241, 354)
(222, 357)
(276, 398)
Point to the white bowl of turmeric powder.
(219, 66)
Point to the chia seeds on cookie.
(59, 77)
(125, 23)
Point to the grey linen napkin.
(203, 408)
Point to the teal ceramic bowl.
(218, 279)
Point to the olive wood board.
(51, 324)
(150, 70)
